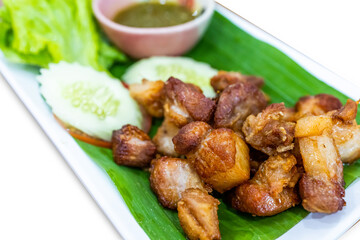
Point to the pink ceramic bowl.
(146, 42)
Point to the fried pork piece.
(163, 138)
(289, 114)
(321, 188)
(224, 79)
(190, 137)
(236, 103)
(150, 95)
(132, 147)
(220, 156)
(346, 132)
(342, 125)
(170, 177)
(197, 212)
(316, 105)
(186, 103)
(269, 131)
(347, 114)
(271, 190)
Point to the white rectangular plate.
(22, 79)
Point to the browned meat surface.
(256, 200)
(220, 156)
(236, 103)
(190, 137)
(343, 127)
(186, 103)
(269, 131)
(321, 188)
(290, 115)
(170, 177)
(224, 79)
(150, 95)
(197, 212)
(321, 196)
(163, 138)
(271, 190)
(347, 113)
(316, 105)
(132, 147)
(346, 132)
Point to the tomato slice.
(97, 141)
(83, 136)
(125, 85)
(91, 140)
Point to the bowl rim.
(209, 9)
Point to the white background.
(41, 198)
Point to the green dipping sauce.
(152, 15)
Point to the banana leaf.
(224, 47)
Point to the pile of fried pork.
(263, 158)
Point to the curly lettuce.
(40, 32)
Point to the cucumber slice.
(183, 68)
(88, 100)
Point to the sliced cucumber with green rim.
(88, 100)
(183, 68)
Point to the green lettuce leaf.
(39, 32)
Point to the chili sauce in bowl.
(154, 14)
(153, 28)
